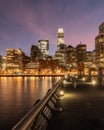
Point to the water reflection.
(18, 95)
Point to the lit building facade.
(43, 45)
(81, 52)
(60, 53)
(91, 57)
(90, 63)
(81, 57)
(15, 60)
(60, 39)
(70, 55)
(99, 46)
(71, 60)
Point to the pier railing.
(37, 118)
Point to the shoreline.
(30, 75)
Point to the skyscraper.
(44, 47)
(60, 53)
(81, 52)
(34, 53)
(60, 39)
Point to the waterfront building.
(15, 61)
(32, 68)
(99, 46)
(43, 45)
(48, 65)
(43, 66)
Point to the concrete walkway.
(83, 109)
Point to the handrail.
(26, 122)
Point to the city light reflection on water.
(18, 95)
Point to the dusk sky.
(24, 22)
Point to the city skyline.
(24, 22)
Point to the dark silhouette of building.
(35, 52)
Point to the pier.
(37, 118)
(82, 109)
(79, 107)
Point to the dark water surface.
(18, 95)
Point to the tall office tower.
(81, 52)
(44, 47)
(99, 46)
(60, 39)
(70, 55)
(34, 53)
(60, 53)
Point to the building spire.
(60, 36)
